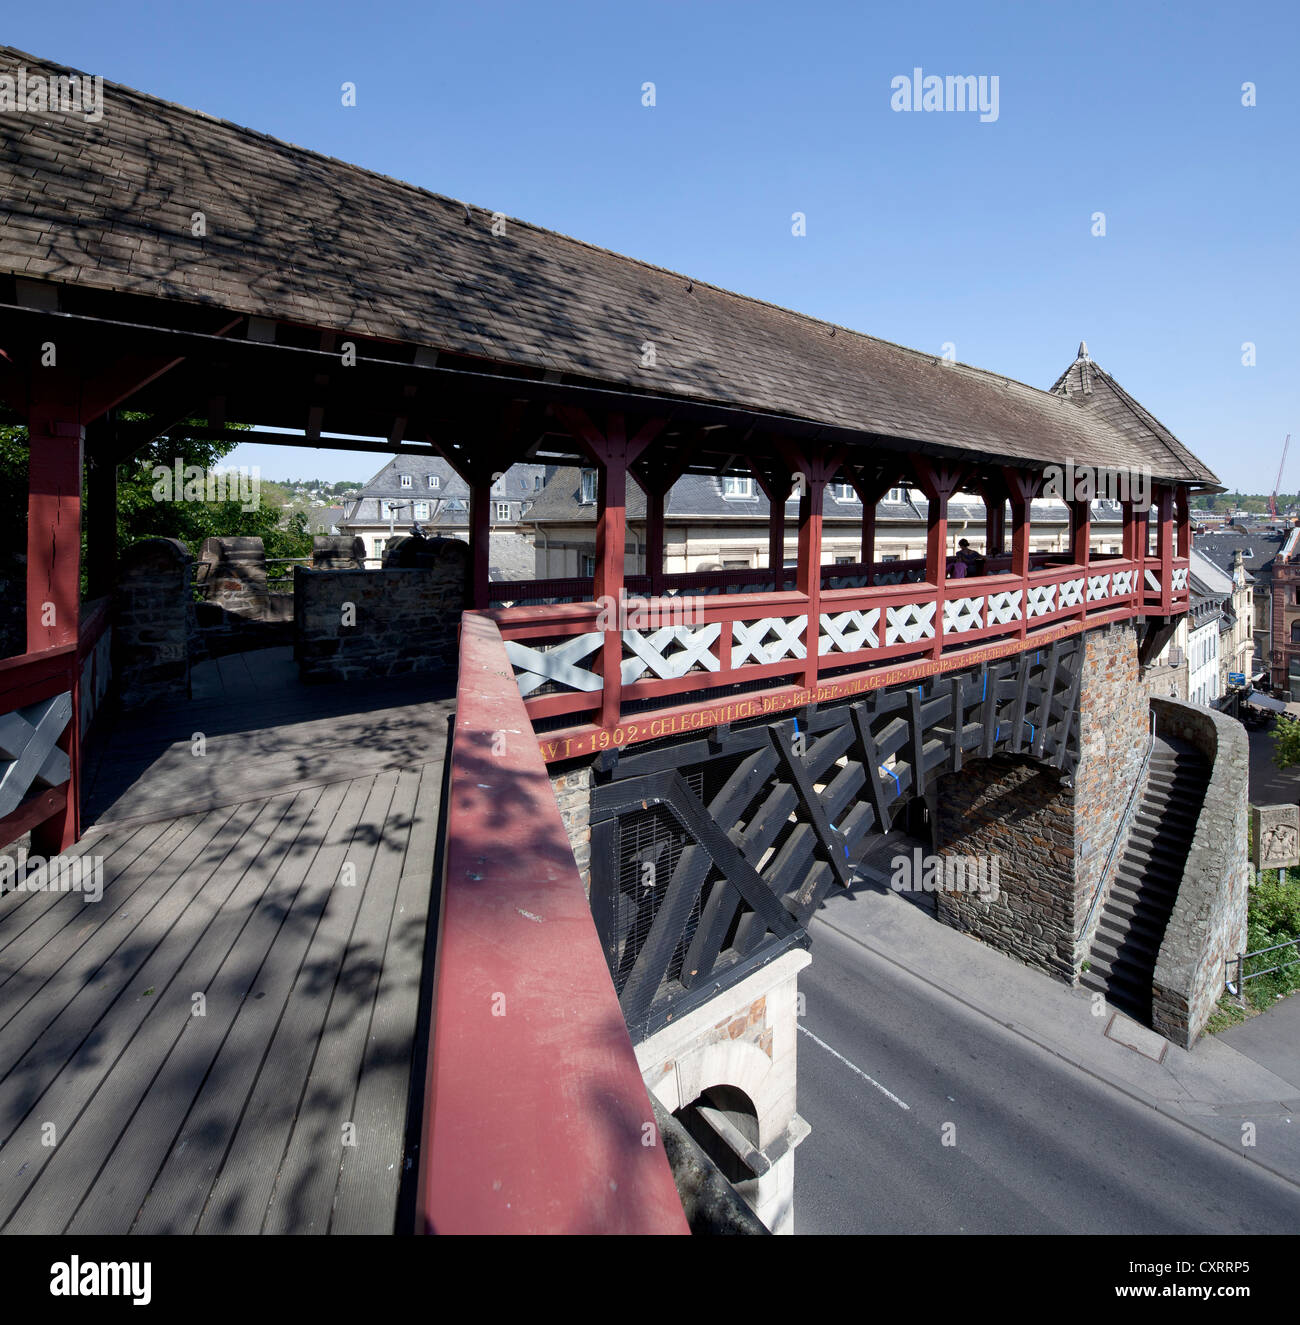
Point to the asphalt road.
(1040, 1146)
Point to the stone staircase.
(1132, 924)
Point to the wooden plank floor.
(224, 1042)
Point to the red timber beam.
(657, 469)
(777, 483)
(938, 480)
(816, 468)
(1183, 521)
(871, 483)
(1022, 487)
(536, 1118)
(614, 452)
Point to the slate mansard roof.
(298, 236)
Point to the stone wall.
(153, 629)
(238, 612)
(572, 786)
(338, 552)
(1050, 838)
(1208, 924)
(353, 624)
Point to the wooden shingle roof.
(300, 237)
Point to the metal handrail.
(1121, 829)
(1243, 957)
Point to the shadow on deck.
(225, 1042)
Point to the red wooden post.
(1021, 489)
(654, 539)
(101, 520)
(871, 490)
(809, 581)
(938, 481)
(614, 452)
(1080, 531)
(1184, 521)
(480, 539)
(995, 517)
(56, 441)
(777, 483)
(1165, 504)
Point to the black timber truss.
(710, 855)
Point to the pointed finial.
(1083, 349)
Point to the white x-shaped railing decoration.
(1098, 587)
(847, 632)
(652, 651)
(1121, 582)
(1153, 581)
(749, 640)
(28, 749)
(962, 614)
(1042, 599)
(557, 662)
(1179, 580)
(909, 623)
(1071, 593)
(1004, 607)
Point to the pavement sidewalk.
(1252, 1076)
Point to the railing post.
(614, 452)
(1022, 487)
(809, 582)
(871, 490)
(938, 481)
(56, 440)
(1165, 504)
(777, 483)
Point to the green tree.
(1286, 742)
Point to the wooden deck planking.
(123, 1182)
(242, 1193)
(181, 1187)
(221, 877)
(309, 1173)
(367, 1174)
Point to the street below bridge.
(1056, 1127)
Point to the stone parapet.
(1207, 927)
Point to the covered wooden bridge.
(161, 267)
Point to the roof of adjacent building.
(298, 236)
(1258, 548)
(448, 502)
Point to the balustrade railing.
(687, 642)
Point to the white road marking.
(854, 1068)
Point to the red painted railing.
(31, 678)
(536, 1118)
(676, 646)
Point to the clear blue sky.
(921, 228)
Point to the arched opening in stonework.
(723, 1121)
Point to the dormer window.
(406, 480)
(435, 481)
(737, 488)
(588, 486)
(843, 491)
(896, 495)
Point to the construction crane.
(1277, 483)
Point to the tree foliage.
(1286, 741)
